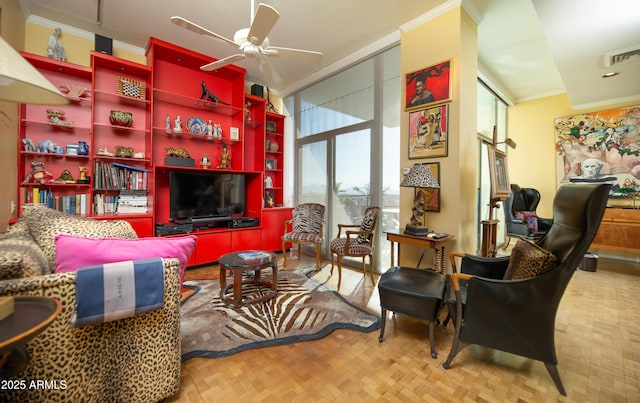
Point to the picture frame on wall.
(428, 86)
(428, 137)
(431, 195)
(498, 174)
(270, 164)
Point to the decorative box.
(179, 162)
(72, 149)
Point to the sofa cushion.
(528, 260)
(45, 223)
(108, 250)
(20, 256)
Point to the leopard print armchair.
(136, 359)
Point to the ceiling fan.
(253, 43)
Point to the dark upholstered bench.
(414, 292)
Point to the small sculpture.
(83, 173)
(29, 146)
(123, 151)
(65, 177)
(105, 152)
(225, 158)
(208, 95)
(209, 129)
(167, 124)
(54, 47)
(73, 91)
(38, 174)
(47, 146)
(56, 116)
(177, 152)
(268, 182)
(121, 118)
(205, 162)
(177, 125)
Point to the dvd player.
(242, 222)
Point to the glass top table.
(240, 262)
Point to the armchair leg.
(553, 371)
(506, 243)
(432, 326)
(371, 266)
(284, 252)
(317, 257)
(384, 320)
(339, 271)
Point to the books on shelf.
(127, 202)
(114, 175)
(76, 204)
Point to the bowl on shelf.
(121, 118)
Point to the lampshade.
(420, 176)
(21, 82)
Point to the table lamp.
(21, 82)
(419, 176)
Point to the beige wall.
(533, 162)
(452, 35)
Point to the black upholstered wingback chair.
(518, 316)
(520, 215)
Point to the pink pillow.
(74, 252)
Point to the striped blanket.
(118, 290)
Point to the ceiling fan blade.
(297, 54)
(268, 71)
(184, 23)
(262, 24)
(222, 62)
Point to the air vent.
(621, 56)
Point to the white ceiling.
(524, 56)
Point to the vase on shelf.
(83, 148)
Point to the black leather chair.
(518, 316)
(523, 200)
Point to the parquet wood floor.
(597, 342)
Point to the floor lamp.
(21, 82)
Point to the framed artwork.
(428, 132)
(601, 146)
(498, 174)
(270, 164)
(271, 127)
(431, 85)
(431, 195)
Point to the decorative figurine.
(176, 152)
(177, 125)
(65, 177)
(208, 95)
(268, 182)
(47, 146)
(209, 129)
(205, 162)
(225, 158)
(29, 146)
(56, 116)
(270, 106)
(105, 152)
(54, 48)
(38, 174)
(167, 124)
(124, 151)
(83, 174)
(247, 111)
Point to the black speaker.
(104, 44)
(257, 90)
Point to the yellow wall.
(533, 162)
(453, 36)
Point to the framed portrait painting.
(498, 174)
(431, 195)
(428, 132)
(431, 85)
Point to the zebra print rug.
(303, 309)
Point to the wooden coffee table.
(240, 262)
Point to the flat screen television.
(201, 195)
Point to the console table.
(619, 230)
(426, 242)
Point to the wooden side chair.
(305, 228)
(356, 243)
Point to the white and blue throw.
(118, 290)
